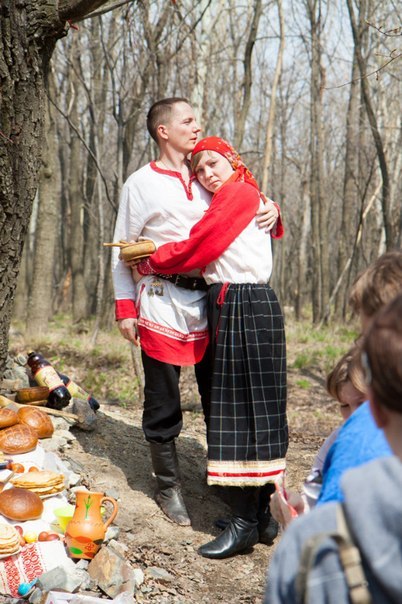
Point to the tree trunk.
(29, 30)
(27, 37)
(46, 234)
(247, 79)
(357, 30)
(320, 283)
(350, 186)
(266, 162)
(79, 293)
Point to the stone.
(54, 444)
(86, 416)
(112, 574)
(124, 598)
(138, 576)
(69, 436)
(112, 534)
(111, 492)
(62, 423)
(64, 578)
(36, 596)
(159, 574)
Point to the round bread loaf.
(20, 504)
(140, 249)
(36, 419)
(18, 439)
(8, 417)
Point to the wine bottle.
(76, 390)
(45, 374)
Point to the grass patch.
(304, 384)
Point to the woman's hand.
(267, 216)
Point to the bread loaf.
(36, 419)
(20, 504)
(18, 439)
(8, 417)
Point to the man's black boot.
(168, 494)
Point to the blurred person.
(359, 439)
(345, 384)
(309, 565)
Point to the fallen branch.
(5, 402)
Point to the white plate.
(50, 494)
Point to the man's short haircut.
(377, 285)
(160, 113)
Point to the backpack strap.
(349, 556)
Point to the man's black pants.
(162, 418)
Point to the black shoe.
(221, 523)
(238, 537)
(172, 505)
(168, 494)
(268, 531)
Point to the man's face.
(182, 129)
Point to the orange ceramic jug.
(86, 530)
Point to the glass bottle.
(76, 391)
(45, 374)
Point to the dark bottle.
(79, 392)
(45, 375)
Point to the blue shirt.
(359, 441)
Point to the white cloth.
(247, 260)
(155, 204)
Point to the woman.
(247, 428)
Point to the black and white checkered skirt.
(247, 425)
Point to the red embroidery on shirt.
(187, 188)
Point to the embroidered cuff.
(145, 268)
(125, 309)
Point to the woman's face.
(349, 398)
(213, 170)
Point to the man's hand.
(267, 216)
(129, 331)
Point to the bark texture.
(29, 30)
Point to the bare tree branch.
(102, 11)
(77, 9)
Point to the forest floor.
(115, 459)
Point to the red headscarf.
(214, 143)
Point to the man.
(162, 201)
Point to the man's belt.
(193, 283)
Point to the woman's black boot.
(242, 532)
(267, 525)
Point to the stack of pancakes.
(9, 540)
(43, 482)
